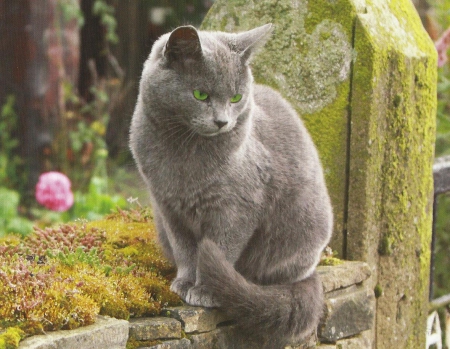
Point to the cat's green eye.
(201, 96)
(236, 98)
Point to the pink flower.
(442, 45)
(53, 191)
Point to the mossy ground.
(62, 277)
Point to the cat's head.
(202, 79)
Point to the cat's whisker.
(189, 133)
(189, 138)
(170, 130)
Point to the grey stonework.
(349, 310)
(145, 329)
(106, 333)
(347, 313)
(196, 319)
(177, 344)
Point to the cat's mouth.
(214, 133)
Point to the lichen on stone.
(309, 64)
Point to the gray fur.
(241, 210)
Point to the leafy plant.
(10, 221)
(11, 165)
(106, 14)
(71, 10)
(95, 203)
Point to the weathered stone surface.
(196, 319)
(343, 275)
(362, 341)
(227, 337)
(347, 313)
(105, 333)
(309, 343)
(205, 340)
(178, 344)
(390, 175)
(144, 329)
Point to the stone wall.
(346, 323)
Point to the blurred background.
(69, 74)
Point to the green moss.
(386, 245)
(330, 261)
(390, 191)
(378, 290)
(119, 271)
(10, 338)
(134, 344)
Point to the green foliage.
(95, 203)
(191, 12)
(89, 161)
(329, 258)
(11, 165)
(443, 112)
(9, 201)
(87, 130)
(78, 256)
(441, 12)
(81, 134)
(10, 221)
(11, 173)
(71, 11)
(11, 337)
(106, 14)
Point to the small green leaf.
(201, 96)
(236, 98)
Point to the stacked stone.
(348, 318)
(346, 324)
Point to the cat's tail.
(274, 315)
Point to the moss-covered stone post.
(362, 75)
(391, 151)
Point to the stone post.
(362, 75)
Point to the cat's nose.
(220, 123)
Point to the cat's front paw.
(181, 287)
(200, 296)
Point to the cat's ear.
(248, 42)
(183, 44)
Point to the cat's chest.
(194, 191)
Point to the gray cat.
(236, 184)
